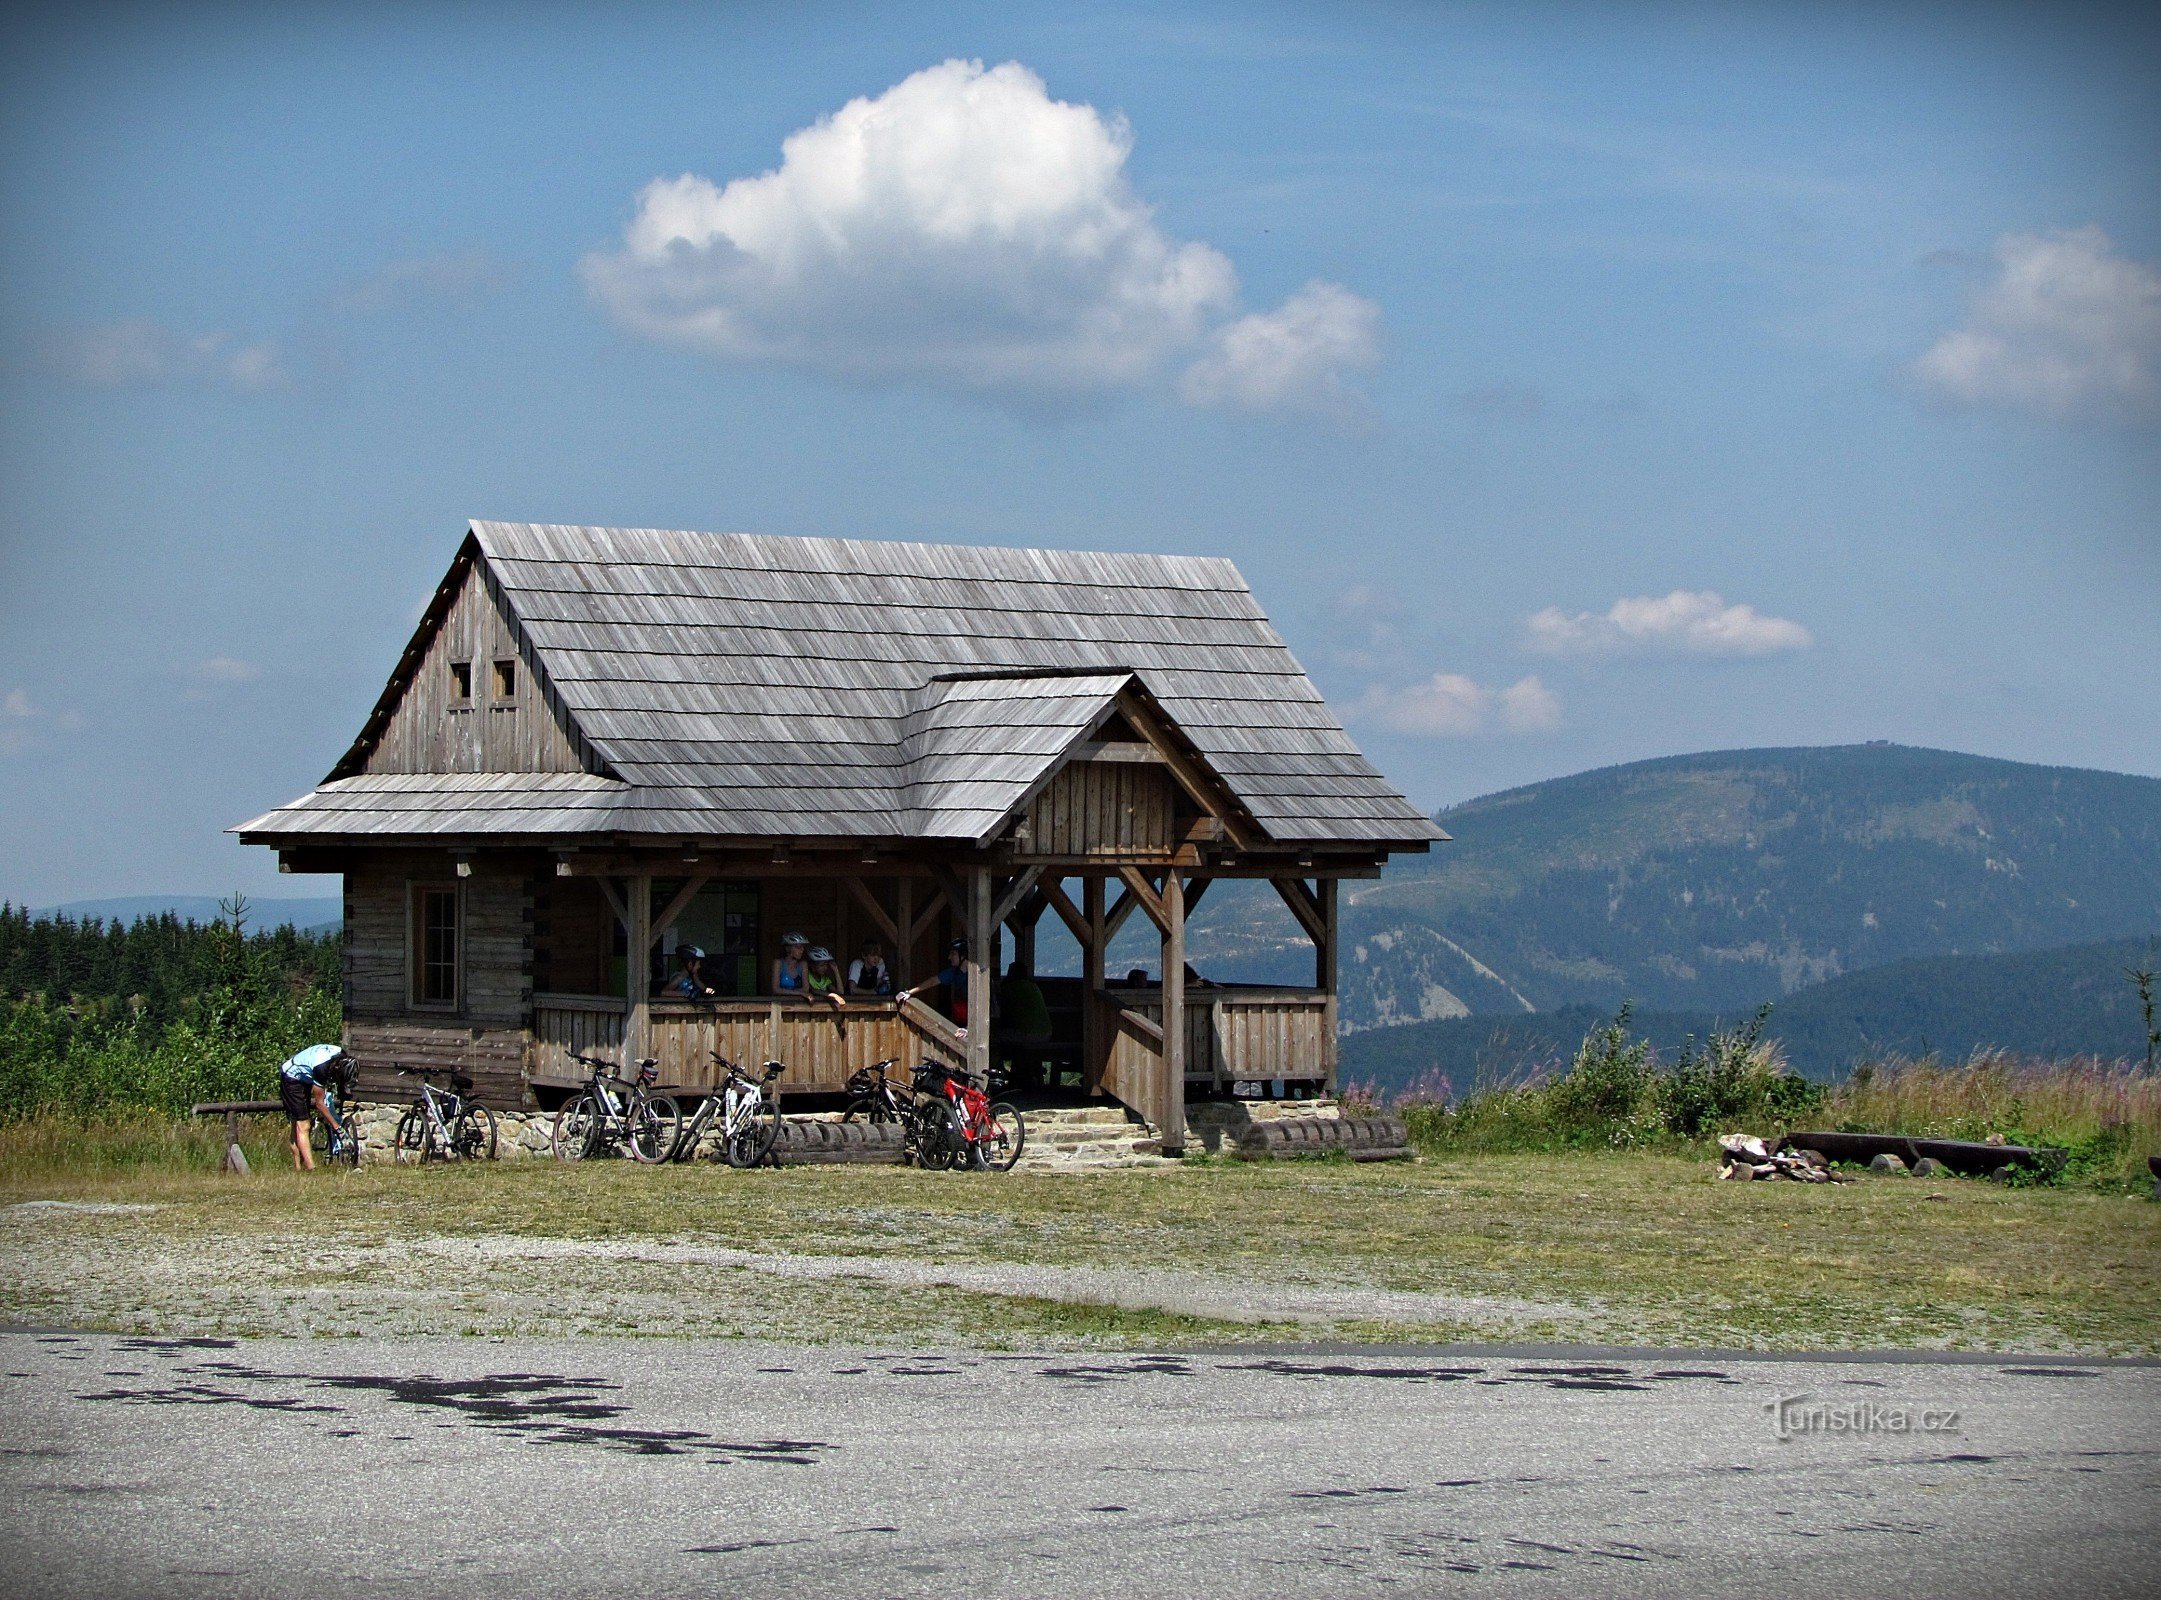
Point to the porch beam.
(1171, 1126)
(614, 898)
(879, 920)
(683, 897)
(1095, 937)
(982, 935)
(638, 1025)
(1147, 896)
(1305, 906)
(1055, 897)
(1115, 918)
(1324, 979)
(1015, 893)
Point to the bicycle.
(749, 1117)
(965, 1127)
(607, 1112)
(876, 1098)
(339, 1146)
(443, 1124)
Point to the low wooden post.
(1172, 1122)
(236, 1159)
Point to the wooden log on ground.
(1382, 1138)
(813, 1142)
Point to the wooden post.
(1172, 1123)
(1095, 1047)
(982, 951)
(1324, 979)
(637, 973)
(236, 1159)
(904, 933)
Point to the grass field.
(1622, 1248)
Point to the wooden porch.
(1234, 1034)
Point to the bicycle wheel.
(577, 1126)
(750, 1141)
(940, 1137)
(414, 1142)
(997, 1146)
(867, 1108)
(337, 1150)
(655, 1124)
(473, 1134)
(693, 1129)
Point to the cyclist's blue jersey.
(301, 1064)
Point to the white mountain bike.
(746, 1110)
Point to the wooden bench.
(232, 1111)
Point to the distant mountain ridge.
(1709, 882)
(2075, 1001)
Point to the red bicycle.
(958, 1125)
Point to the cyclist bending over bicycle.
(306, 1079)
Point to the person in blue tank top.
(306, 1079)
(791, 968)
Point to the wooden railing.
(1233, 1034)
(820, 1046)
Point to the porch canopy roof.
(759, 687)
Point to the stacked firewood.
(1743, 1157)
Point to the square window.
(506, 679)
(461, 680)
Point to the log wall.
(484, 1033)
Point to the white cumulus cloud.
(1695, 621)
(1291, 358)
(2068, 326)
(145, 354)
(962, 229)
(1449, 705)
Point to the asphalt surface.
(175, 1468)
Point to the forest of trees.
(156, 1013)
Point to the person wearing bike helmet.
(690, 983)
(951, 982)
(824, 980)
(791, 968)
(303, 1078)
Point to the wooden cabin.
(604, 742)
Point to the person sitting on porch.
(951, 982)
(690, 983)
(824, 980)
(791, 971)
(868, 974)
(1022, 1008)
(303, 1078)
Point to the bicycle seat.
(773, 1069)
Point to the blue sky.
(1573, 384)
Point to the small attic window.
(506, 679)
(461, 680)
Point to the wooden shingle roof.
(752, 685)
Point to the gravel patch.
(1190, 1294)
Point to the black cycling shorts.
(297, 1095)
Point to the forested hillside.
(158, 1012)
(1710, 882)
(2076, 1001)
